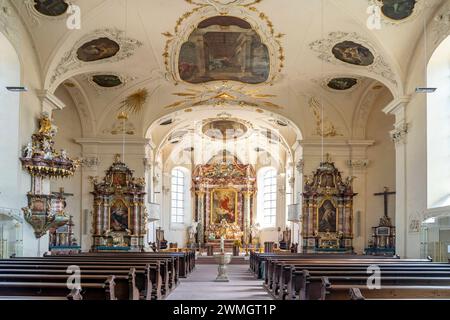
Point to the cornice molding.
(106, 141)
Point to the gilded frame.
(337, 214)
(211, 209)
(129, 213)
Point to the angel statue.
(28, 150)
(192, 231)
(64, 154)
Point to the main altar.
(327, 211)
(224, 200)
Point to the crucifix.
(385, 194)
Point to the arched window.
(178, 187)
(267, 202)
(438, 128)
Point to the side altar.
(327, 211)
(225, 191)
(120, 215)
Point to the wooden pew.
(147, 278)
(90, 291)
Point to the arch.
(10, 75)
(438, 129)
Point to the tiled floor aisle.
(200, 285)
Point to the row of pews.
(103, 276)
(350, 277)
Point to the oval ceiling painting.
(224, 48)
(398, 9)
(224, 129)
(98, 49)
(52, 8)
(353, 53)
(342, 83)
(107, 80)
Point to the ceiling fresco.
(342, 84)
(353, 53)
(224, 48)
(398, 9)
(52, 8)
(98, 49)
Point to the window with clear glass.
(178, 196)
(269, 197)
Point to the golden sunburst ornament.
(135, 102)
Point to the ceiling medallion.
(220, 15)
(224, 129)
(106, 81)
(395, 12)
(353, 53)
(342, 84)
(97, 50)
(224, 94)
(52, 8)
(350, 49)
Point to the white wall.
(438, 127)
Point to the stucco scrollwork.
(70, 61)
(324, 48)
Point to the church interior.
(170, 150)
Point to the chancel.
(182, 151)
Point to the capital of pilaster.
(49, 101)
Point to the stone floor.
(200, 285)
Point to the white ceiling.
(300, 21)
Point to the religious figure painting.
(223, 206)
(51, 8)
(327, 180)
(327, 217)
(398, 9)
(119, 215)
(119, 179)
(224, 48)
(98, 49)
(342, 83)
(353, 53)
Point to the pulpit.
(327, 211)
(119, 216)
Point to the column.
(200, 216)
(398, 109)
(247, 213)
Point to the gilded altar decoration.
(119, 216)
(327, 210)
(225, 192)
(40, 158)
(42, 161)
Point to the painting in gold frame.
(327, 216)
(119, 216)
(224, 205)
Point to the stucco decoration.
(379, 66)
(70, 61)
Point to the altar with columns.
(225, 191)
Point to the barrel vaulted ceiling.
(314, 54)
